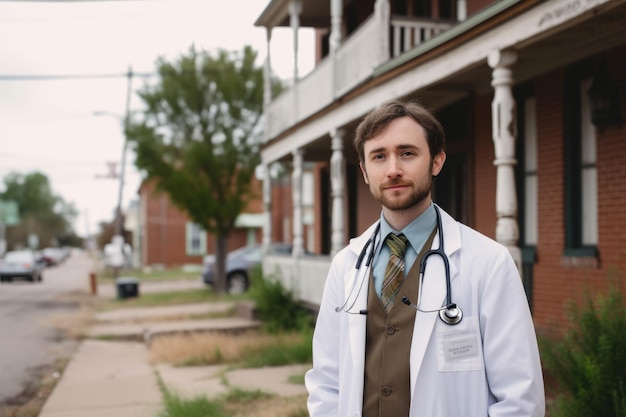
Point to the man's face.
(398, 166)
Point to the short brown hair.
(379, 118)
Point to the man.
(376, 354)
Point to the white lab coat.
(487, 365)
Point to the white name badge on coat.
(459, 347)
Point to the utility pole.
(118, 240)
(119, 223)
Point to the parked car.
(20, 264)
(52, 256)
(239, 265)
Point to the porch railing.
(409, 32)
(352, 64)
(304, 276)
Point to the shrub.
(589, 361)
(276, 307)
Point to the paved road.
(28, 338)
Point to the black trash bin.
(127, 287)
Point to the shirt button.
(386, 391)
(391, 330)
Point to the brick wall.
(559, 280)
(484, 211)
(550, 288)
(164, 231)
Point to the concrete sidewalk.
(106, 379)
(114, 377)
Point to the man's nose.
(394, 168)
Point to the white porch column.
(383, 16)
(504, 130)
(337, 189)
(267, 209)
(296, 182)
(295, 8)
(461, 10)
(336, 12)
(267, 72)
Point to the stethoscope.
(450, 313)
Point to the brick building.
(167, 237)
(532, 95)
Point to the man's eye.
(378, 156)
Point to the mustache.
(395, 183)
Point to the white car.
(20, 264)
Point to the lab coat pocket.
(459, 347)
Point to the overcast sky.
(49, 125)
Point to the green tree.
(42, 212)
(199, 138)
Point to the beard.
(419, 192)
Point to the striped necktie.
(394, 273)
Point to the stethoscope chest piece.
(451, 315)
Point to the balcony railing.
(352, 64)
(409, 32)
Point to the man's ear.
(438, 162)
(364, 173)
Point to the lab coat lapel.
(356, 292)
(433, 289)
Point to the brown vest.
(386, 392)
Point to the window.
(588, 171)
(581, 185)
(529, 214)
(195, 238)
(527, 185)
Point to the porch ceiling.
(315, 14)
(535, 56)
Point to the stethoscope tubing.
(450, 313)
(446, 262)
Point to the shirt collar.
(416, 232)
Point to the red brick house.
(532, 95)
(169, 238)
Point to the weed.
(200, 406)
(235, 403)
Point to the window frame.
(527, 168)
(576, 122)
(194, 231)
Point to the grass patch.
(172, 274)
(296, 379)
(251, 349)
(169, 298)
(236, 403)
(200, 406)
(283, 349)
(241, 396)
